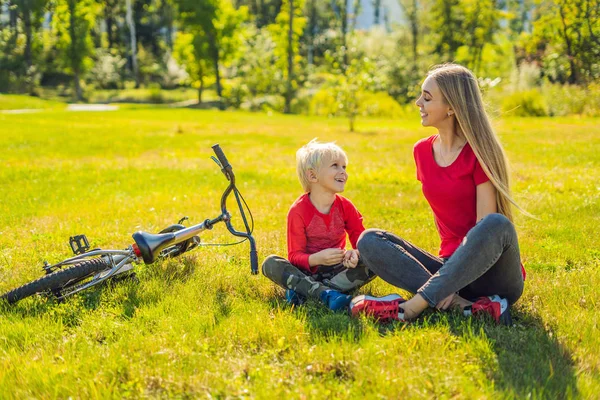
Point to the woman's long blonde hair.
(461, 91)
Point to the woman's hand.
(351, 259)
(326, 257)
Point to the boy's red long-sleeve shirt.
(310, 231)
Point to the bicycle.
(91, 267)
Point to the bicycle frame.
(148, 246)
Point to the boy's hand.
(351, 259)
(326, 257)
(446, 303)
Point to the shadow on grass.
(529, 361)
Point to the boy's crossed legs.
(324, 285)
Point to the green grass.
(147, 95)
(202, 326)
(21, 102)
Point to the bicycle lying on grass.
(91, 267)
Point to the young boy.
(318, 265)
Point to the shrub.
(106, 73)
(174, 75)
(370, 104)
(570, 99)
(529, 103)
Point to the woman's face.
(432, 106)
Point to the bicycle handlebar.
(150, 245)
(227, 169)
(221, 156)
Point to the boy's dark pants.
(335, 277)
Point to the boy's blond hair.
(311, 156)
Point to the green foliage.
(12, 46)
(369, 104)
(153, 94)
(107, 72)
(358, 75)
(75, 42)
(192, 52)
(563, 100)
(215, 26)
(258, 66)
(529, 103)
(20, 102)
(174, 74)
(280, 32)
(568, 31)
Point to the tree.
(290, 58)
(287, 32)
(133, 43)
(567, 32)
(191, 51)
(214, 22)
(73, 22)
(447, 25)
(411, 11)
(30, 11)
(359, 76)
(481, 21)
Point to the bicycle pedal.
(79, 244)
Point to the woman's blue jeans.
(486, 263)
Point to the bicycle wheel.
(58, 280)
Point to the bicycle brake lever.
(217, 161)
(223, 170)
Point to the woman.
(464, 176)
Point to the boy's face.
(331, 176)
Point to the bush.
(234, 92)
(370, 104)
(174, 74)
(529, 103)
(106, 73)
(570, 99)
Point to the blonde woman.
(464, 177)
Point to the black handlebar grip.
(254, 262)
(221, 156)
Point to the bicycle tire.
(57, 280)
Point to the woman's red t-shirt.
(451, 192)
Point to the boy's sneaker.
(495, 306)
(335, 300)
(294, 298)
(384, 308)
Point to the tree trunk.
(75, 62)
(344, 16)
(377, 11)
(214, 50)
(13, 18)
(27, 25)
(168, 8)
(133, 43)
(200, 90)
(109, 19)
(201, 79)
(312, 22)
(290, 60)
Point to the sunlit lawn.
(202, 326)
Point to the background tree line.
(303, 55)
